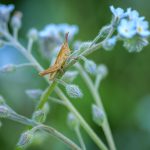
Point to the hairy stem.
(98, 101)
(45, 95)
(21, 119)
(59, 136)
(84, 124)
(77, 130)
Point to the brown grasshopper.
(60, 60)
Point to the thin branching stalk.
(84, 124)
(60, 136)
(97, 81)
(77, 130)
(46, 95)
(88, 51)
(30, 44)
(23, 120)
(98, 101)
(56, 100)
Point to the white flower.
(127, 28)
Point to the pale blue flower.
(127, 28)
(133, 14)
(50, 31)
(64, 28)
(58, 31)
(142, 28)
(117, 12)
(5, 11)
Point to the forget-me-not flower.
(64, 28)
(142, 28)
(118, 12)
(127, 28)
(133, 14)
(50, 31)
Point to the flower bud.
(39, 116)
(110, 43)
(4, 111)
(90, 66)
(33, 34)
(102, 70)
(98, 115)
(34, 93)
(8, 68)
(73, 91)
(5, 11)
(25, 139)
(16, 20)
(69, 76)
(72, 121)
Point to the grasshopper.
(60, 60)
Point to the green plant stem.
(15, 33)
(84, 124)
(46, 95)
(21, 119)
(88, 51)
(98, 101)
(59, 136)
(98, 81)
(55, 100)
(30, 43)
(77, 130)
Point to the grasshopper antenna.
(66, 37)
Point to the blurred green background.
(125, 91)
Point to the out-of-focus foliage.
(122, 90)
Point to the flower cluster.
(131, 28)
(52, 36)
